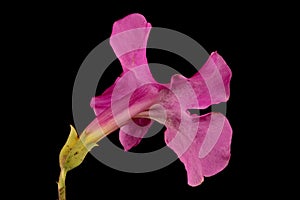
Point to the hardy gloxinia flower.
(202, 143)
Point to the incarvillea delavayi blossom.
(136, 99)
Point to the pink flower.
(202, 143)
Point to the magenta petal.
(131, 134)
(211, 83)
(129, 40)
(208, 152)
(215, 151)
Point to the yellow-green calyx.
(71, 155)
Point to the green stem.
(62, 185)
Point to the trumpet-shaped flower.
(201, 142)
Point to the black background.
(53, 40)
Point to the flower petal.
(211, 83)
(213, 137)
(129, 37)
(217, 149)
(132, 133)
(129, 40)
